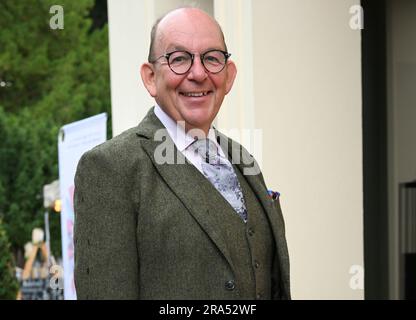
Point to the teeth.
(195, 94)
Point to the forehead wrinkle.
(176, 43)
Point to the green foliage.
(8, 282)
(57, 77)
(29, 160)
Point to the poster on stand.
(73, 141)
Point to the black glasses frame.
(192, 55)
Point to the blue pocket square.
(273, 194)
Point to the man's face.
(195, 32)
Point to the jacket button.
(259, 296)
(250, 232)
(230, 285)
(256, 264)
(88, 270)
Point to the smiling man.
(197, 229)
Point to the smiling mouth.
(195, 94)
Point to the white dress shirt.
(183, 140)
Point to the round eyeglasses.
(180, 62)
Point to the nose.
(197, 71)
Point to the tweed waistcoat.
(251, 244)
(259, 239)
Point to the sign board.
(73, 141)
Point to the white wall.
(299, 82)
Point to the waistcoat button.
(230, 285)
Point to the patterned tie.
(220, 173)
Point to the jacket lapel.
(181, 179)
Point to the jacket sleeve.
(281, 286)
(106, 258)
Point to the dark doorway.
(374, 85)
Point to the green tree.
(8, 282)
(52, 77)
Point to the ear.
(148, 78)
(231, 74)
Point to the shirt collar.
(177, 133)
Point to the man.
(194, 229)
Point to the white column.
(130, 22)
(235, 18)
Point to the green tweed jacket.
(142, 232)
